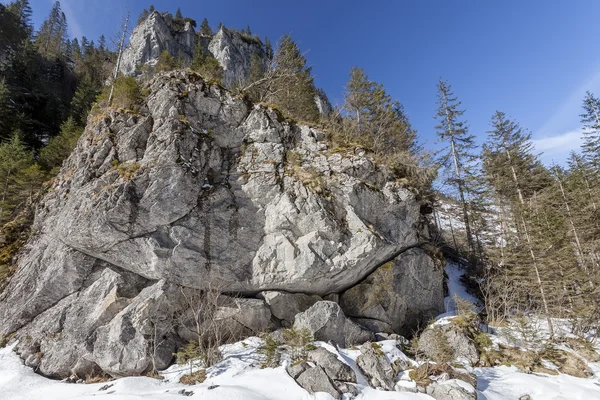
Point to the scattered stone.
(106, 387)
(448, 342)
(186, 393)
(347, 388)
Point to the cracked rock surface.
(200, 189)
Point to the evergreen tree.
(152, 9)
(52, 36)
(518, 175)
(268, 48)
(591, 129)
(205, 29)
(14, 160)
(143, 16)
(459, 157)
(178, 14)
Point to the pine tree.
(459, 157)
(517, 175)
(268, 48)
(178, 14)
(52, 36)
(152, 9)
(205, 29)
(591, 129)
(143, 16)
(5, 106)
(14, 159)
(248, 32)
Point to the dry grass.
(194, 378)
(97, 379)
(584, 348)
(422, 375)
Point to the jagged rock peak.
(234, 52)
(199, 189)
(157, 33)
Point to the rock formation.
(157, 33)
(160, 32)
(199, 189)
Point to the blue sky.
(532, 59)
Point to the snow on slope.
(239, 377)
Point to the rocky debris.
(336, 369)
(201, 190)
(327, 322)
(285, 306)
(451, 389)
(374, 365)
(451, 338)
(158, 33)
(379, 304)
(316, 380)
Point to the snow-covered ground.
(239, 377)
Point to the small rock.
(294, 370)
(186, 393)
(375, 366)
(316, 380)
(525, 397)
(334, 368)
(452, 389)
(106, 387)
(347, 388)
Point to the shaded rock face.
(200, 190)
(153, 36)
(384, 301)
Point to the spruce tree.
(14, 160)
(459, 156)
(178, 14)
(591, 129)
(205, 29)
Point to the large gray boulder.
(285, 306)
(327, 322)
(386, 302)
(374, 365)
(158, 33)
(200, 190)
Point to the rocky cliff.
(200, 189)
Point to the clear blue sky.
(532, 59)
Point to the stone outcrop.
(157, 33)
(199, 189)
